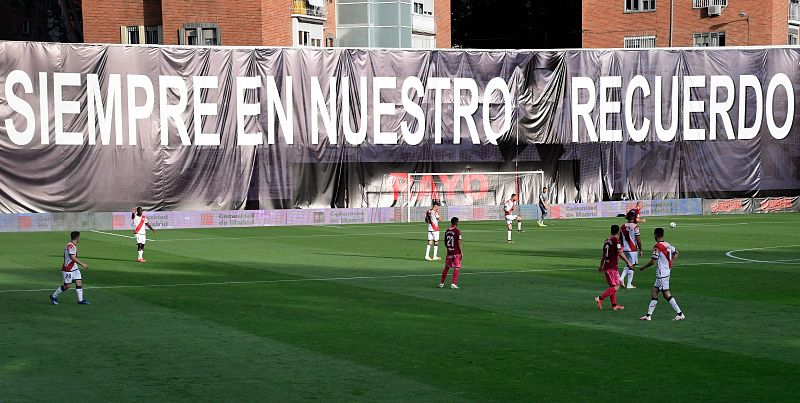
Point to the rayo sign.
(437, 186)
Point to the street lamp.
(746, 18)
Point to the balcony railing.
(794, 12)
(423, 23)
(303, 8)
(706, 3)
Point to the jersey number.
(450, 241)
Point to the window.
(26, 27)
(205, 34)
(419, 8)
(132, 35)
(633, 6)
(210, 37)
(794, 35)
(303, 38)
(152, 35)
(139, 35)
(191, 37)
(329, 41)
(705, 39)
(635, 42)
(706, 3)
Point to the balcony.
(423, 23)
(794, 13)
(706, 3)
(308, 10)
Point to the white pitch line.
(731, 255)
(288, 236)
(535, 232)
(112, 234)
(298, 280)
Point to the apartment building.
(394, 23)
(661, 23)
(210, 22)
(354, 23)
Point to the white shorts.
(633, 257)
(433, 236)
(510, 218)
(70, 276)
(662, 284)
(141, 239)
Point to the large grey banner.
(101, 128)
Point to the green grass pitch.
(353, 313)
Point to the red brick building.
(646, 23)
(210, 22)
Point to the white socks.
(435, 250)
(509, 235)
(625, 273)
(80, 293)
(141, 252)
(652, 307)
(427, 251)
(519, 225)
(672, 302)
(57, 292)
(674, 305)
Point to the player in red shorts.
(452, 241)
(612, 252)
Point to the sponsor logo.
(206, 219)
(118, 222)
(25, 222)
(580, 211)
(727, 206)
(772, 205)
(347, 217)
(236, 219)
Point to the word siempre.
(109, 106)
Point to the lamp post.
(746, 18)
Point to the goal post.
(469, 189)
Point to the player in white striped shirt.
(664, 255)
(139, 222)
(432, 219)
(508, 212)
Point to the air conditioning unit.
(714, 10)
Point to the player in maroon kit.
(612, 252)
(452, 241)
(636, 211)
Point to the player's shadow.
(370, 256)
(105, 259)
